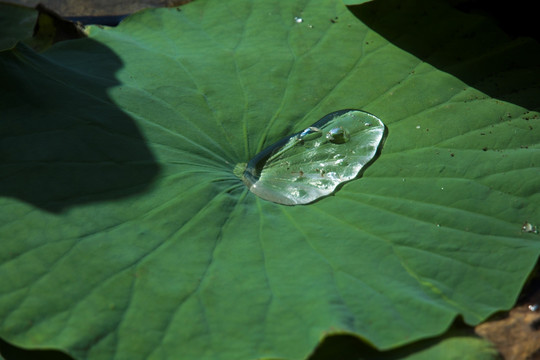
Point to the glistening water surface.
(310, 164)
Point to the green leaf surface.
(355, 2)
(126, 234)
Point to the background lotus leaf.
(18, 25)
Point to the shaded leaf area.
(467, 46)
(17, 26)
(13, 352)
(516, 20)
(64, 141)
(185, 261)
(457, 343)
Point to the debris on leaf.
(530, 228)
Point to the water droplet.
(530, 228)
(311, 133)
(338, 135)
(310, 164)
(298, 20)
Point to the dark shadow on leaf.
(470, 47)
(12, 352)
(348, 347)
(63, 141)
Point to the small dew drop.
(367, 124)
(418, 126)
(310, 133)
(530, 228)
(298, 20)
(533, 307)
(338, 135)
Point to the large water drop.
(310, 164)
